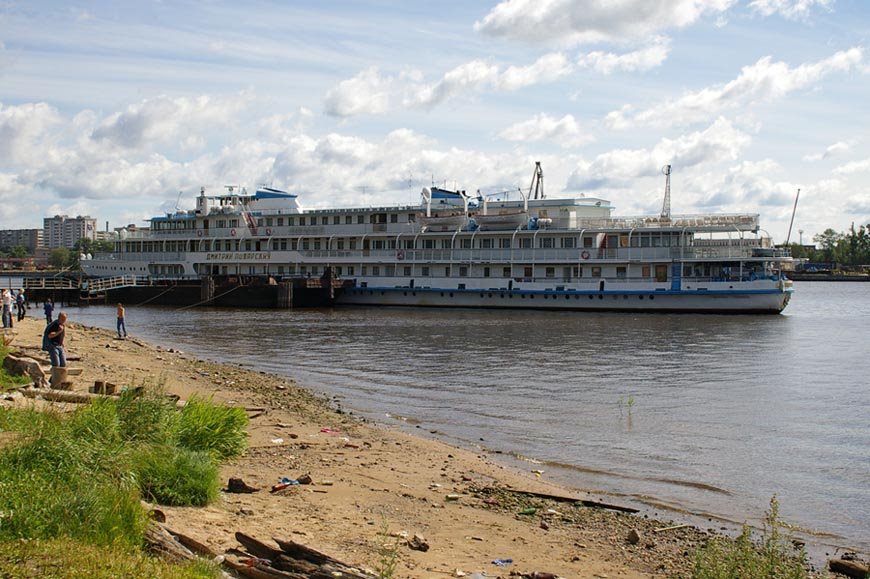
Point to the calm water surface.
(713, 414)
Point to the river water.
(702, 413)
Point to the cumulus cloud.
(468, 76)
(548, 68)
(575, 21)
(791, 9)
(161, 119)
(636, 61)
(23, 130)
(366, 93)
(853, 167)
(542, 127)
(764, 81)
(618, 168)
(837, 148)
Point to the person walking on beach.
(21, 303)
(121, 325)
(48, 308)
(7, 309)
(53, 340)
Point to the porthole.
(640, 297)
(652, 297)
(600, 297)
(451, 294)
(590, 296)
(625, 297)
(567, 297)
(481, 295)
(490, 295)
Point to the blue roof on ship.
(269, 193)
(172, 217)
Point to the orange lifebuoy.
(233, 232)
(400, 254)
(584, 254)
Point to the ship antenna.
(177, 200)
(537, 182)
(793, 211)
(666, 206)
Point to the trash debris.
(502, 562)
(237, 485)
(452, 497)
(418, 543)
(328, 431)
(277, 441)
(528, 511)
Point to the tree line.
(851, 248)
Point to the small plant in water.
(630, 402)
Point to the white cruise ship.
(455, 251)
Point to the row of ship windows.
(511, 295)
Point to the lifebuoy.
(584, 254)
(233, 232)
(400, 254)
(268, 231)
(199, 233)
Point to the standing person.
(121, 325)
(53, 340)
(21, 303)
(7, 309)
(48, 308)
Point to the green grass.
(177, 476)
(68, 559)
(204, 425)
(774, 557)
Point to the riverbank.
(369, 481)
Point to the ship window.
(446, 244)
(409, 244)
(656, 240)
(587, 241)
(301, 220)
(569, 242)
(486, 272)
(504, 243)
(463, 271)
(365, 270)
(283, 245)
(274, 245)
(378, 244)
(352, 244)
(390, 271)
(221, 223)
(486, 243)
(324, 220)
(391, 244)
(336, 219)
(506, 272)
(260, 222)
(340, 244)
(566, 274)
(596, 271)
(428, 244)
(634, 242)
(247, 245)
(687, 271)
(407, 270)
(527, 271)
(394, 217)
(280, 222)
(304, 244)
(465, 244)
(348, 219)
(547, 243)
(644, 271)
(316, 244)
(550, 272)
(291, 221)
(412, 218)
(526, 242)
(425, 271)
(294, 244)
(621, 272)
(350, 270)
(447, 271)
(644, 239)
(360, 219)
(578, 271)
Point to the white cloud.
(162, 119)
(366, 93)
(764, 81)
(23, 130)
(574, 21)
(836, 149)
(617, 168)
(853, 167)
(548, 68)
(469, 76)
(792, 9)
(639, 60)
(565, 131)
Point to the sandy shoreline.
(371, 478)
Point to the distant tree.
(60, 257)
(18, 251)
(828, 241)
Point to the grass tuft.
(218, 429)
(774, 557)
(178, 476)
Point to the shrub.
(177, 476)
(204, 425)
(147, 416)
(775, 557)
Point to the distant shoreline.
(803, 276)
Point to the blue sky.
(113, 108)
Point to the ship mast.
(666, 206)
(537, 182)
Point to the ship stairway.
(104, 284)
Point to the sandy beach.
(372, 483)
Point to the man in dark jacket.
(53, 340)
